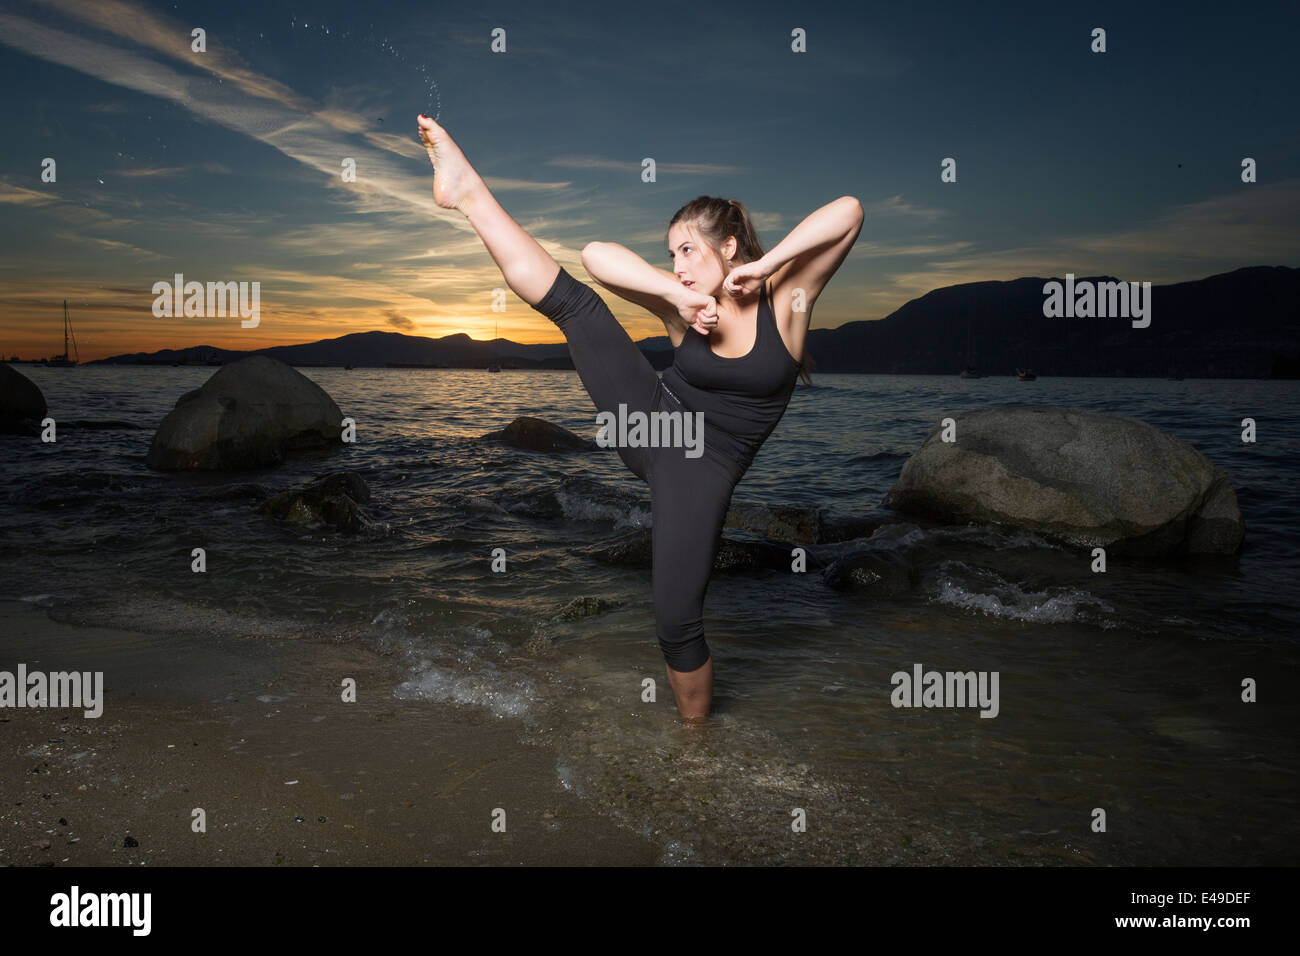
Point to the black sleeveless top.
(742, 398)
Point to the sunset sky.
(225, 165)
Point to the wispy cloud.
(896, 206)
(111, 244)
(398, 321)
(21, 196)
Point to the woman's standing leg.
(689, 498)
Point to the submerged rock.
(880, 572)
(582, 607)
(330, 500)
(250, 414)
(633, 549)
(1086, 478)
(536, 434)
(779, 522)
(737, 555)
(22, 406)
(854, 526)
(636, 550)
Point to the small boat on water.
(971, 372)
(62, 361)
(1025, 374)
(496, 365)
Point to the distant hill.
(1242, 324)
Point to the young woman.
(736, 318)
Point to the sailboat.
(62, 361)
(495, 366)
(1025, 374)
(970, 371)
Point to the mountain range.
(1241, 324)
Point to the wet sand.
(250, 727)
(183, 728)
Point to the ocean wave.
(978, 589)
(582, 499)
(878, 456)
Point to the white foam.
(581, 508)
(485, 688)
(1007, 600)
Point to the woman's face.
(693, 262)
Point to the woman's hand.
(746, 279)
(699, 311)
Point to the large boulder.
(248, 415)
(1085, 478)
(536, 434)
(22, 406)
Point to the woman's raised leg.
(611, 367)
(528, 268)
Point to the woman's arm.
(808, 257)
(628, 276)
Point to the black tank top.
(742, 398)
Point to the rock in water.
(581, 607)
(880, 572)
(778, 522)
(536, 434)
(329, 500)
(636, 549)
(633, 549)
(740, 555)
(248, 415)
(22, 406)
(1086, 478)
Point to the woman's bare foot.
(455, 184)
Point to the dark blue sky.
(225, 165)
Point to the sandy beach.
(293, 780)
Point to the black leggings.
(689, 496)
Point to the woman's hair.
(716, 219)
